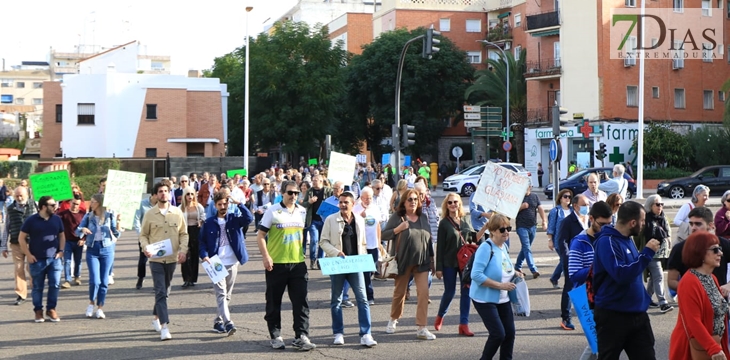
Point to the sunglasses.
(659, 204)
(716, 250)
(505, 229)
(267, 184)
(412, 199)
(566, 196)
(52, 205)
(292, 193)
(453, 202)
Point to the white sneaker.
(424, 334)
(390, 329)
(339, 339)
(165, 334)
(111, 280)
(156, 325)
(367, 340)
(90, 311)
(100, 314)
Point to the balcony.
(542, 20)
(538, 117)
(500, 33)
(545, 68)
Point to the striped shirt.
(580, 257)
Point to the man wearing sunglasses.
(184, 182)
(572, 226)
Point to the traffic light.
(408, 136)
(601, 152)
(429, 47)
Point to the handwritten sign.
(215, 269)
(347, 265)
(361, 158)
(232, 173)
(386, 159)
(585, 315)
(313, 162)
(329, 206)
(501, 190)
(342, 167)
(123, 193)
(54, 183)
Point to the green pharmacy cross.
(506, 136)
(616, 156)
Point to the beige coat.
(331, 239)
(157, 227)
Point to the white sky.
(193, 33)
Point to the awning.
(546, 33)
(193, 140)
(17, 108)
(503, 15)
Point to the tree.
(296, 84)
(430, 91)
(707, 146)
(490, 88)
(657, 137)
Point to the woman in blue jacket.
(99, 228)
(559, 212)
(491, 282)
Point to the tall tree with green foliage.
(431, 91)
(296, 87)
(664, 147)
(490, 89)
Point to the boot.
(464, 330)
(439, 322)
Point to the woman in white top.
(699, 198)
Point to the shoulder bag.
(388, 266)
(695, 349)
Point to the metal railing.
(542, 20)
(544, 67)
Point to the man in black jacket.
(571, 226)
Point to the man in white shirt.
(617, 184)
(371, 212)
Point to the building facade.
(21, 93)
(68, 63)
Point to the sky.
(193, 33)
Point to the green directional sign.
(493, 110)
(490, 132)
(491, 117)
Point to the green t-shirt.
(425, 172)
(285, 233)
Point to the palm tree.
(490, 89)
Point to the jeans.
(500, 322)
(141, 263)
(315, 230)
(357, 281)
(294, 278)
(629, 332)
(369, 276)
(223, 290)
(558, 269)
(50, 268)
(99, 259)
(449, 275)
(72, 249)
(161, 277)
(527, 236)
(565, 303)
(656, 281)
(114, 249)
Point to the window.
(493, 55)
(631, 53)
(708, 101)
(37, 85)
(59, 113)
(473, 26)
(518, 20)
(37, 101)
(630, 3)
(721, 96)
(474, 57)
(679, 98)
(445, 24)
(518, 51)
(20, 101)
(678, 5)
(706, 52)
(6, 99)
(678, 55)
(706, 8)
(632, 96)
(6, 83)
(20, 84)
(86, 114)
(156, 65)
(150, 152)
(655, 92)
(151, 112)
(493, 23)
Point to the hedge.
(665, 173)
(87, 167)
(88, 184)
(20, 169)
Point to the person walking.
(656, 227)
(18, 212)
(99, 231)
(540, 173)
(312, 201)
(722, 217)
(526, 222)
(573, 225)
(699, 197)
(74, 245)
(592, 193)
(162, 223)
(370, 212)
(617, 184)
(144, 206)
(194, 214)
(560, 211)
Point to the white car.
(466, 181)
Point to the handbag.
(388, 267)
(697, 352)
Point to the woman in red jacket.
(701, 324)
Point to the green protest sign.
(54, 183)
(123, 193)
(312, 161)
(232, 173)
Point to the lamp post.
(246, 143)
(506, 62)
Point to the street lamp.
(245, 101)
(506, 62)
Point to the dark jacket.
(569, 228)
(15, 220)
(309, 207)
(210, 234)
(656, 227)
(449, 242)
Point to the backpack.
(590, 288)
(465, 254)
(466, 273)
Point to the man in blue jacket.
(222, 235)
(620, 298)
(570, 227)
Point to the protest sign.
(328, 207)
(160, 249)
(585, 316)
(361, 158)
(232, 173)
(347, 265)
(341, 167)
(501, 190)
(123, 193)
(54, 183)
(215, 269)
(407, 161)
(386, 159)
(313, 162)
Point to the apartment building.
(67, 62)
(21, 93)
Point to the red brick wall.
(204, 119)
(51, 140)
(171, 122)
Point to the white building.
(323, 12)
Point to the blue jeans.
(449, 275)
(527, 236)
(500, 322)
(558, 269)
(40, 270)
(314, 232)
(565, 303)
(72, 249)
(369, 276)
(357, 281)
(111, 267)
(99, 260)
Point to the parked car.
(577, 182)
(466, 181)
(716, 177)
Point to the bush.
(708, 144)
(87, 167)
(88, 184)
(665, 173)
(20, 169)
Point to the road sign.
(457, 151)
(492, 125)
(472, 123)
(507, 146)
(472, 116)
(553, 150)
(472, 108)
(491, 117)
(494, 110)
(487, 132)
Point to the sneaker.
(100, 314)
(219, 328)
(230, 329)
(371, 302)
(77, 281)
(52, 315)
(19, 300)
(278, 343)
(303, 343)
(666, 308)
(89, 311)
(379, 279)
(347, 304)
(111, 282)
(567, 325)
(367, 340)
(390, 329)
(555, 284)
(424, 334)
(165, 334)
(66, 285)
(339, 339)
(156, 325)
(140, 281)
(653, 305)
(39, 316)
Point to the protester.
(370, 212)
(74, 249)
(614, 201)
(555, 217)
(540, 173)
(526, 222)
(194, 216)
(592, 193)
(617, 184)
(572, 226)
(722, 217)
(656, 227)
(208, 190)
(699, 197)
(478, 214)
(18, 212)
(144, 206)
(400, 189)
(312, 201)
(66, 204)
(99, 230)
(178, 191)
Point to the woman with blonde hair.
(194, 215)
(400, 188)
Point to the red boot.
(438, 323)
(464, 330)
